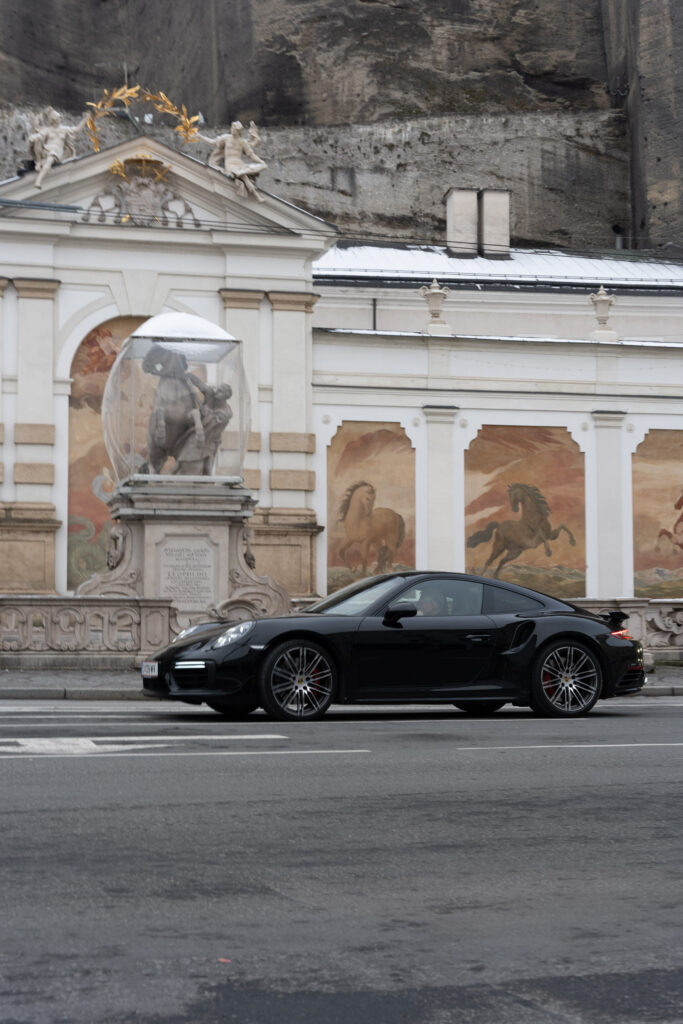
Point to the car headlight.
(187, 632)
(234, 634)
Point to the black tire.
(298, 681)
(236, 708)
(566, 680)
(480, 707)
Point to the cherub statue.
(52, 142)
(236, 156)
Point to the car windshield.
(357, 597)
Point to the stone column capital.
(440, 413)
(293, 302)
(608, 417)
(238, 298)
(35, 287)
(4, 281)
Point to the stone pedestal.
(182, 538)
(27, 547)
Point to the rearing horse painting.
(370, 527)
(514, 536)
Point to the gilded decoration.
(233, 153)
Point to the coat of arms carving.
(143, 197)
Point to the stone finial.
(435, 297)
(602, 303)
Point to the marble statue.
(181, 426)
(52, 142)
(235, 155)
(197, 452)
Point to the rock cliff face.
(310, 61)
(372, 109)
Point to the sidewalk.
(666, 681)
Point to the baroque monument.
(177, 446)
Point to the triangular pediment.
(162, 187)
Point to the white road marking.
(187, 753)
(111, 744)
(574, 746)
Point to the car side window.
(499, 601)
(438, 598)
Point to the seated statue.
(236, 156)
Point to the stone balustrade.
(82, 632)
(118, 632)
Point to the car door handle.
(478, 638)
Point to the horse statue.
(370, 527)
(513, 536)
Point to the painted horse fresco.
(370, 527)
(514, 536)
(675, 538)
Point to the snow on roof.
(525, 267)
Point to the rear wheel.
(298, 681)
(480, 707)
(235, 708)
(567, 680)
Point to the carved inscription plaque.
(186, 571)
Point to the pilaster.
(612, 516)
(35, 392)
(441, 551)
(3, 284)
(290, 476)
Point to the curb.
(43, 693)
(62, 693)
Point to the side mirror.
(396, 612)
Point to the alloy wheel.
(570, 679)
(300, 682)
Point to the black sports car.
(407, 637)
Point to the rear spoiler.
(614, 619)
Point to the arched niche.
(525, 508)
(90, 476)
(658, 515)
(370, 501)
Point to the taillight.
(623, 634)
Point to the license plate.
(150, 669)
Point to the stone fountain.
(175, 417)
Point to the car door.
(437, 653)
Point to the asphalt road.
(159, 864)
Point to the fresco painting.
(370, 502)
(658, 515)
(525, 508)
(90, 475)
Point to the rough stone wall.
(568, 173)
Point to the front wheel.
(480, 707)
(298, 681)
(567, 680)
